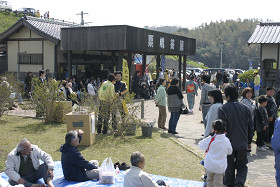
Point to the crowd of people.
(229, 129)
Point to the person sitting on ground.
(217, 148)
(74, 166)
(144, 92)
(136, 177)
(23, 165)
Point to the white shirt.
(91, 89)
(216, 159)
(136, 177)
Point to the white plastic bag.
(107, 172)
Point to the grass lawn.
(163, 156)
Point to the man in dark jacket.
(272, 112)
(74, 166)
(239, 130)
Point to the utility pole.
(221, 63)
(82, 17)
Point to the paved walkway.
(261, 170)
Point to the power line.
(82, 17)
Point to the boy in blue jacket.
(275, 144)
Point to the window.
(30, 58)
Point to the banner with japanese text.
(125, 72)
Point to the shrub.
(8, 85)
(247, 75)
(46, 98)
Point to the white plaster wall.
(12, 56)
(49, 56)
(30, 67)
(30, 46)
(269, 51)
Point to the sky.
(183, 13)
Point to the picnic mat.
(59, 180)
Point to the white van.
(5, 6)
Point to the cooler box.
(85, 122)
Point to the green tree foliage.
(232, 35)
(7, 20)
(247, 75)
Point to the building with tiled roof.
(34, 44)
(268, 36)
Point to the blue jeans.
(174, 118)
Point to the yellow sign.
(125, 72)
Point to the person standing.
(238, 120)
(191, 88)
(216, 99)
(219, 78)
(272, 111)
(175, 104)
(106, 95)
(136, 84)
(261, 123)
(276, 148)
(119, 102)
(28, 84)
(161, 104)
(257, 82)
(160, 74)
(225, 77)
(204, 101)
(247, 94)
(217, 148)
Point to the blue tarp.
(60, 181)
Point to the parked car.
(197, 71)
(5, 6)
(27, 11)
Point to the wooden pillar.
(129, 64)
(120, 61)
(180, 71)
(144, 59)
(184, 72)
(69, 63)
(158, 64)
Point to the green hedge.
(247, 75)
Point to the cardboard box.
(85, 122)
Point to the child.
(261, 123)
(217, 148)
(191, 88)
(276, 148)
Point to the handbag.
(184, 111)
